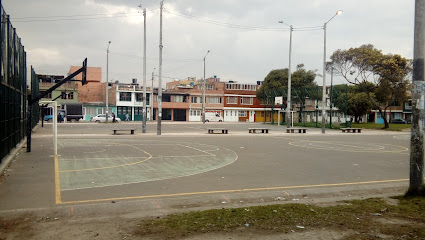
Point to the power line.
(206, 20)
(75, 17)
(167, 59)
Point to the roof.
(93, 73)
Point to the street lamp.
(288, 98)
(324, 73)
(107, 80)
(203, 92)
(152, 94)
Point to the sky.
(244, 37)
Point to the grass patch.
(393, 127)
(362, 217)
(375, 126)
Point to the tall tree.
(365, 64)
(352, 100)
(277, 82)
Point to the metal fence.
(13, 87)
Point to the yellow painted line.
(58, 197)
(231, 191)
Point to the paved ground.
(186, 167)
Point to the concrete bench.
(122, 130)
(349, 130)
(254, 130)
(218, 130)
(300, 130)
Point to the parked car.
(399, 121)
(213, 117)
(49, 118)
(102, 118)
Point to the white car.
(102, 118)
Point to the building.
(241, 103)
(66, 93)
(129, 101)
(93, 94)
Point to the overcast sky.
(244, 37)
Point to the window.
(90, 111)
(65, 95)
(246, 100)
(125, 96)
(195, 112)
(179, 99)
(214, 100)
(232, 100)
(139, 97)
(209, 87)
(101, 110)
(242, 113)
(196, 99)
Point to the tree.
(277, 81)
(366, 64)
(352, 100)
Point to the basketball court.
(96, 169)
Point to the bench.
(118, 130)
(300, 130)
(218, 130)
(254, 130)
(353, 130)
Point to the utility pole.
(203, 92)
(152, 99)
(288, 104)
(324, 82)
(144, 73)
(330, 112)
(158, 131)
(107, 81)
(416, 185)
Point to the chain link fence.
(13, 87)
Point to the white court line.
(197, 150)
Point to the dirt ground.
(59, 224)
(115, 227)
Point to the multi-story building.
(129, 101)
(185, 98)
(66, 93)
(241, 103)
(93, 94)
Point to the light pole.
(158, 127)
(288, 98)
(152, 95)
(324, 73)
(144, 73)
(107, 80)
(203, 92)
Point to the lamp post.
(203, 91)
(107, 81)
(324, 73)
(144, 73)
(152, 95)
(288, 98)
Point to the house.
(92, 95)
(241, 103)
(129, 101)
